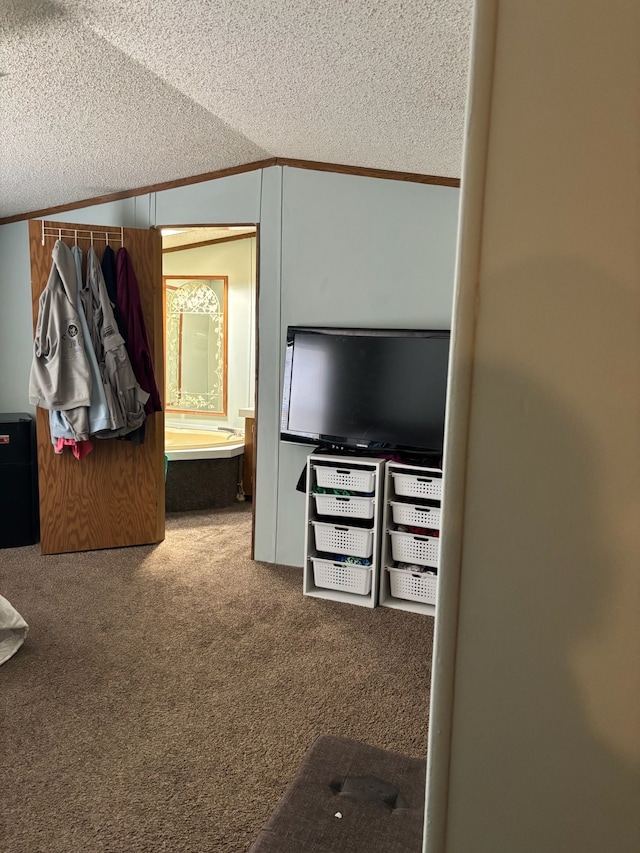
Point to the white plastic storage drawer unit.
(340, 539)
(417, 515)
(343, 513)
(412, 517)
(342, 576)
(413, 586)
(412, 548)
(348, 506)
(349, 479)
(417, 485)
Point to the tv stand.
(372, 531)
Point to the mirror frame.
(186, 279)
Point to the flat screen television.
(366, 389)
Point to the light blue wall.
(268, 402)
(121, 212)
(16, 325)
(226, 201)
(333, 249)
(355, 252)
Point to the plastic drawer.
(416, 514)
(339, 539)
(412, 548)
(349, 479)
(412, 586)
(342, 576)
(417, 485)
(352, 507)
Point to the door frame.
(227, 224)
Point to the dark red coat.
(135, 331)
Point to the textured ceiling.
(104, 97)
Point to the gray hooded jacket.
(60, 374)
(59, 422)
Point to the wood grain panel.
(145, 248)
(115, 496)
(366, 172)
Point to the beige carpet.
(166, 694)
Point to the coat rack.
(52, 231)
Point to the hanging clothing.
(136, 334)
(110, 279)
(98, 412)
(60, 376)
(125, 397)
(98, 409)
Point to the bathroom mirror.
(196, 344)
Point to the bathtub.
(186, 443)
(203, 472)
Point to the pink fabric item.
(80, 449)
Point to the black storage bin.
(19, 516)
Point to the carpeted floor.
(166, 695)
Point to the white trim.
(457, 428)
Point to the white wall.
(535, 723)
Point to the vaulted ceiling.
(101, 97)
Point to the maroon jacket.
(135, 331)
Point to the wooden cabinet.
(248, 467)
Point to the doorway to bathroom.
(209, 276)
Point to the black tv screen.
(365, 388)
